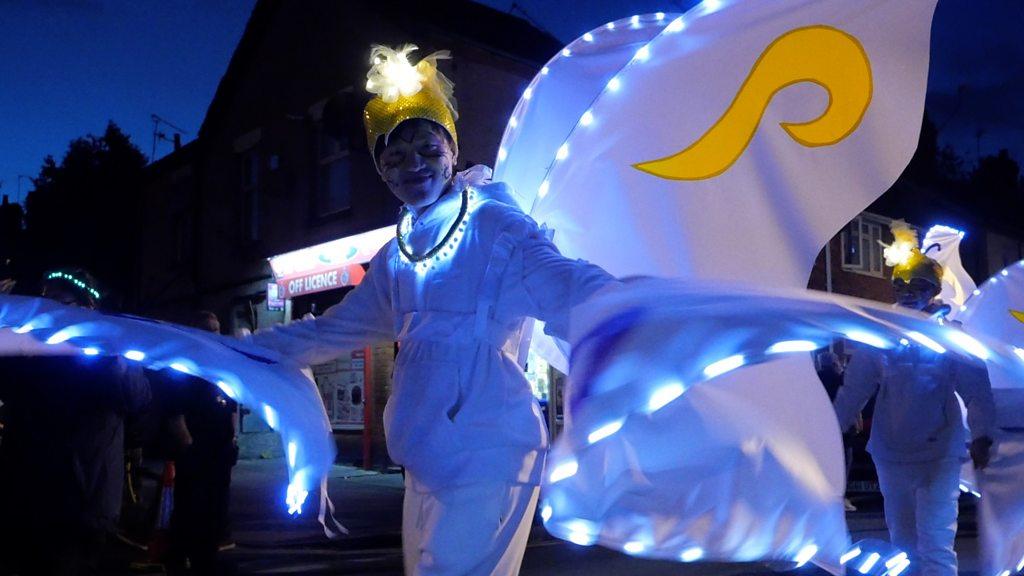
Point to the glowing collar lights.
(76, 282)
(405, 225)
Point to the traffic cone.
(160, 541)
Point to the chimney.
(177, 141)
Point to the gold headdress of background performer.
(404, 91)
(906, 258)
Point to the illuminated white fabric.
(480, 529)
(460, 410)
(642, 88)
(273, 387)
(988, 313)
(659, 458)
(942, 244)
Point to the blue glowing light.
(60, 336)
(1019, 352)
(849, 555)
(1020, 565)
(563, 152)
(676, 25)
(634, 547)
(135, 355)
(869, 563)
(587, 119)
(90, 351)
(564, 470)
(710, 6)
(724, 365)
(566, 52)
(692, 554)
(293, 450)
(227, 389)
(528, 93)
(642, 54)
(969, 344)
(976, 292)
(181, 367)
(296, 495)
(546, 512)
(663, 395)
(614, 84)
(581, 532)
(604, 431)
(543, 190)
(926, 342)
(270, 416)
(635, 20)
(896, 559)
(805, 554)
(867, 338)
(24, 328)
(588, 37)
(792, 346)
(659, 16)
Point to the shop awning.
(329, 265)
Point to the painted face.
(916, 294)
(417, 163)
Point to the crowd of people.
(74, 428)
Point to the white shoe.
(848, 506)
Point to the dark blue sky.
(68, 66)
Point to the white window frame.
(875, 264)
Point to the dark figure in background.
(831, 375)
(62, 456)
(205, 422)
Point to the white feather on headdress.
(392, 76)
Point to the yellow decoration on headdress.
(906, 258)
(405, 91)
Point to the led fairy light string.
(634, 22)
(586, 119)
(451, 238)
(74, 281)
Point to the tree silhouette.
(84, 212)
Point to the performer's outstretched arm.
(553, 283)
(860, 382)
(362, 318)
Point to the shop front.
(355, 386)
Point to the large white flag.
(729, 143)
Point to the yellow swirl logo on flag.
(823, 55)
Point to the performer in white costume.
(466, 267)
(917, 438)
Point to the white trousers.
(479, 529)
(921, 512)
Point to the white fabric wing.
(275, 388)
(661, 456)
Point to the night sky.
(69, 66)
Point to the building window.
(333, 181)
(250, 192)
(862, 248)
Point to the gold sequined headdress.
(404, 92)
(907, 260)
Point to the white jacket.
(917, 417)
(460, 409)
